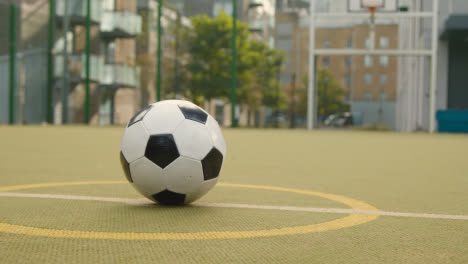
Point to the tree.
(207, 71)
(208, 44)
(264, 64)
(330, 95)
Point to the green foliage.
(330, 95)
(207, 63)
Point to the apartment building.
(260, 16)
(113, 72)
(114, 76)
(369, 82)
(173, 22)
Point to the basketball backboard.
(359, 6)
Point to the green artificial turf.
(417, 173)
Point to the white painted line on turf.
(229, 205)
(76, 197)
(332, 210)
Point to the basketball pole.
(372, 29)
(311, 71)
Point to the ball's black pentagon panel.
(212, 164)
(167, 197)
(161, 149)
(139, 116)
(125, 167)
(193, 113)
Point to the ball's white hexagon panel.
(147, 177)
(193, 139)
(134, 141)
(184, 175)
(163, 118)
(216, 135)
(204, 188)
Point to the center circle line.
(347, 221)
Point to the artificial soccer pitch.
(388, 198)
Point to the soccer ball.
(172, 152)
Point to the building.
(452, 62)
(370, 82)
(114, 75)
(172, 21)
(31, 50)
(260, 16)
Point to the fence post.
(233, 65)
(88, 25)
(158, 62)
(50, 64)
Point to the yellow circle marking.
(347, 221)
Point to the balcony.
(120, 75)
(255, 3)
(77, 11)
(120, 24)
(256, 25)
(76, 67)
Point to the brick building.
(369, 82)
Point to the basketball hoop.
(371, 9)
(372, 5)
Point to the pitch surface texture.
(415, 173)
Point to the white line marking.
(146, 202)
(77, 197)
(333, 210)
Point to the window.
(367, 43)
(284, 29)
(347, 96)
(384, 60)
(284, 44)
(326, 44)
(368, 96)
(108, 5)
(285, 78)
(383, 96)
(368, 78)
(383, 42)
(347, 79)
(349, 43)
(383, 78)
(368, 60)
(325, 61)
(322, 6)
(226, 7)
(348, 62)
(110, 52)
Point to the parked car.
(339, 120)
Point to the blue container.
(452, 121)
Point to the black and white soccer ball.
(172, 152)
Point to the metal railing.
(120, 75)
(257, 25)
(121, 21)
(77, 8)
(76, 67)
